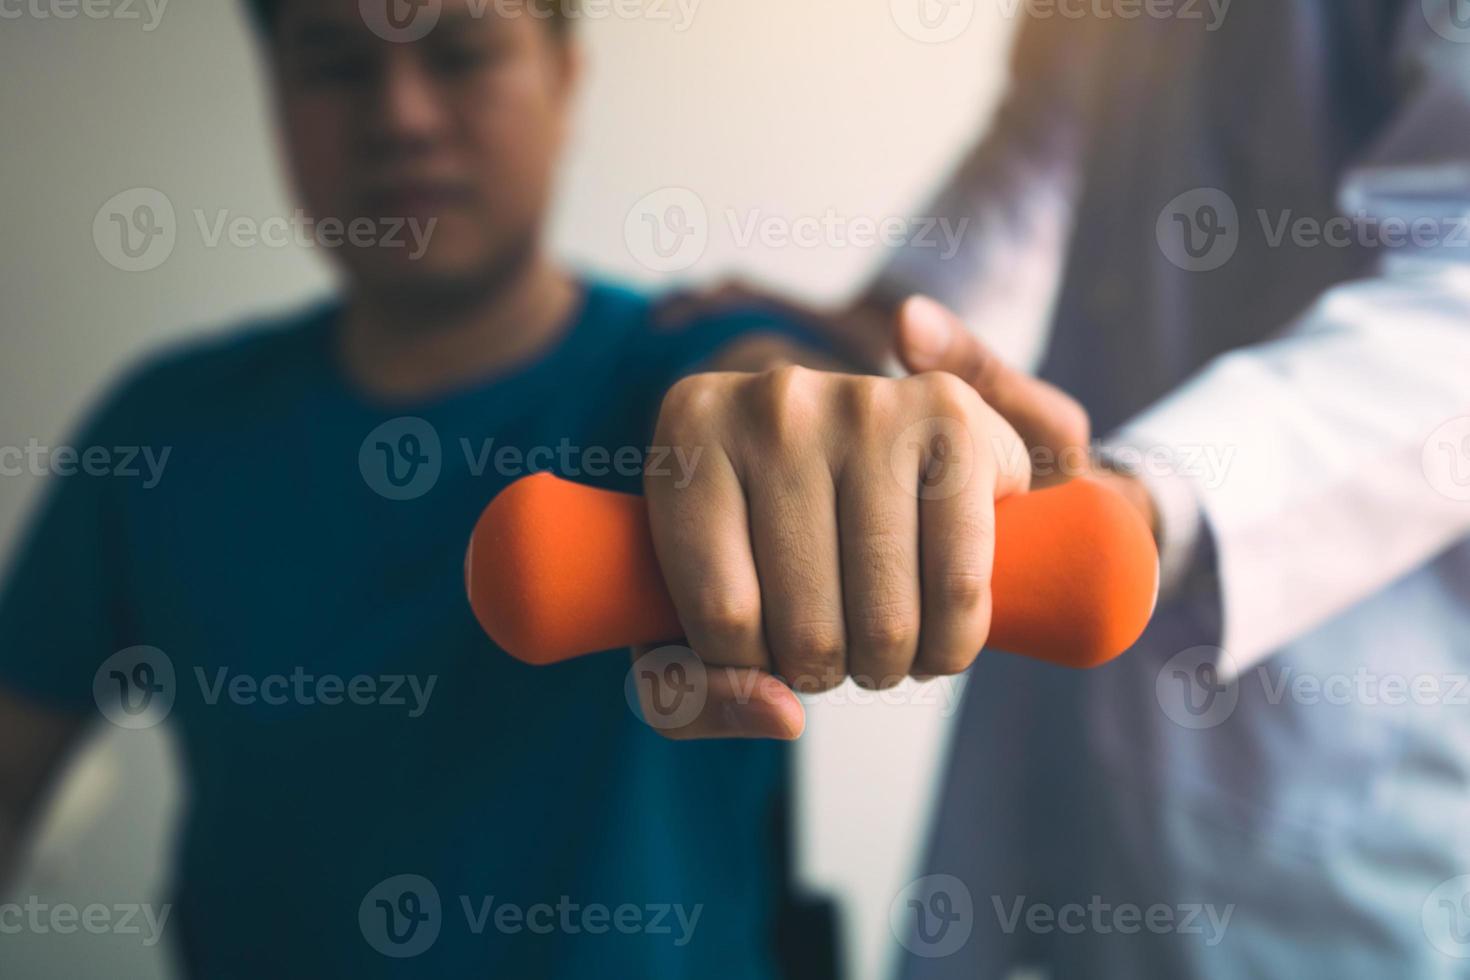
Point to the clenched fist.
(836, 526)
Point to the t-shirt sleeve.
(61, 597)
(691, 347)
(663, 355)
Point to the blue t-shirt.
(286, 584)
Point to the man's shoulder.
(685, 330)
(239, 352)
(231, 365)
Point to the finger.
(879, 527)
(931, 338)
(957, 549)
(725, 702)
(702, 540)
(970, 457)
(793, 518)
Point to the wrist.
(1135, 491)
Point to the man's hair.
(557, 13)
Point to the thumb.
(931, 338)
(683, 699)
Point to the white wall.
(772, 109)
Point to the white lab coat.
(1279, 772)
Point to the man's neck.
(402, 351)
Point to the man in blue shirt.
(373, 789)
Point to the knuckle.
(812, 657)
(688, 395)
(726, 617)
(964, 590)
(691, 405)
(784, 403)
(888, 630)
(867, 403)
(948, 663)
(949, 395)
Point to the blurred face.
(450, 140)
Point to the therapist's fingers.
(683, 699)
(931, 338)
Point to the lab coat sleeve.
(1011, 200)
(1344, 443)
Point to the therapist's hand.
(835, 526)
(1055, 427)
